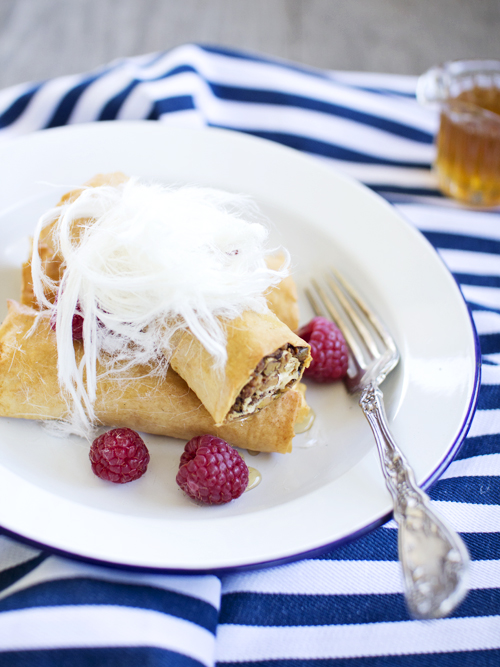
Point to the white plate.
(330, 488)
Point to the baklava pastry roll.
(282, 300)
(113, 179)
(51, 266)
(51, 260)
(29, 389)
(264, 359)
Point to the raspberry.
(76, 325)
(212, 471)
(329, 351)
(119, 456)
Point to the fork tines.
(362, 329)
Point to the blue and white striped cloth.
(345, 608)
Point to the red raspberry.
(329, 351)
(76, 325)
(119, 456)
(212, 471)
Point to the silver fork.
(433, 557)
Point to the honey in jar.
(468, 143)
(468, 147)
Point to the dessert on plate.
(155, 367)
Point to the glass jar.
(468, 142)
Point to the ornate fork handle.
(433, 556)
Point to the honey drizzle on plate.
(254, 479)
(305, 424)
(254, 476)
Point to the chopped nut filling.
(273, 375)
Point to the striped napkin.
(346, 607)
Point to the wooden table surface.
(40, 39)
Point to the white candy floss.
(145, 261)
